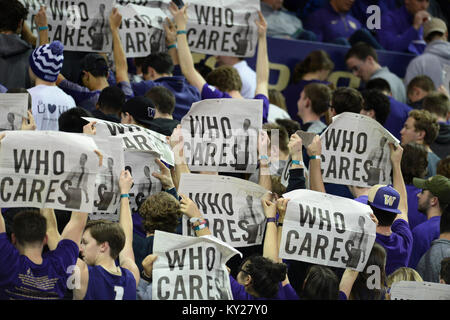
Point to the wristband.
(145, 277)
(271, 220)
(181, 32)
(125, 195)
(280, 224)
(263, 157)
(314, 157)
(200, 226)
(43, 28)
(298, 162)
(172, 46)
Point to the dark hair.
(385, 218)
(163, 98)
(107, 231)
(437, 103)
(378, 84)
(443, 167)
(430, 37)
(266, 275)
(291, 126)
(445, 270)
(29, 226)
(426, 121)
(160, 211)
(360, 291)
(378, 102)
(321, 283)
(96, 64)
(277, 98)
(22, 90)
(225, 78)
(315, 61)
(160, 61)
(319, 95)
(361, 50)
(71, 121)
(347, 100)
(111, 99)
(423, 82)
(414, 162)
(12, 12)
(444, 226)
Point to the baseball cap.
(384, 197)
(438, 185)
(95, 64)
(434, 25)
(141, 108)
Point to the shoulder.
(401, 227)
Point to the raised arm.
(2, 221)
(264, 180)
(398, 182)
(176, 142)
(184, 53)
(41, 23)
(314, 151)
(164, 176)
(190, 209)
(270, 246)
(126, 256)
(281, 208)
(74, 228)
(52, 228)
(296, 172)
(347, 281)
(262, 59)
(120, 60)
(171, 41)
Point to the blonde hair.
(403, 274)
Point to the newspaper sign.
(415, 290)
(231, 206)
(107, 193)
(355, 151)
(190, 268)
(142, 30)
(224, 28)
(80, 25)
(13, 107)
(221, 135)
(135, 137)
(58, 175)
(328, 230)
(141, 165)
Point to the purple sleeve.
(3, 89)
(392, 37)
(9, 258)
(238, 290)
(401, 227)
(78, 93)
(265, 106)
(126, 88)
(66, 253)
(289, 293)
(210, 92)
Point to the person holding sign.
(210, 92)
(103, 242)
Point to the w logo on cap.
(389, 200)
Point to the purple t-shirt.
(284, 292)
(414, 216)
(21, 279)
(398, 245)
(210, 92)
(423, 235)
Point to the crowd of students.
(114, 260)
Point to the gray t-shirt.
(429, 266)
(397, 86)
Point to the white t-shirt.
(48, 102)
(248, 79)
(275, 112)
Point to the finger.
(100, 156)
(2, 136)
(161, 165)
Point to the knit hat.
(384, 197)
(46, 61)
